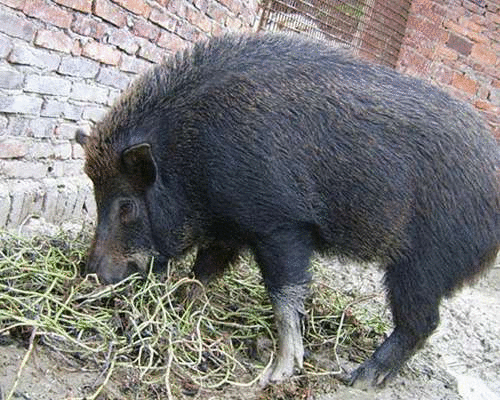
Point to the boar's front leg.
(284, 262)
(213, 260)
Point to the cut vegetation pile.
(164, 336)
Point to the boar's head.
(123, 242)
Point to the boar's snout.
(113, 267)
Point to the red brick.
(146, 30)
(464, 83)
(80, 5)
(19, 4)
(163, 19)
(431, 11)
(54, 40)
(124, 40)
(48, 13)
(485, 105)
(483, 54)
(430, 30)
(86, 26)
(110, 12)
(101, 52)
(467, 24)
(171, 42)
(478, 37)
(203, 22)
(445, 53)
(136, 6)
(492, 17)
(456, 28)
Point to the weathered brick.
(44, 150)
(3, 124)
(88, 92)
(47, 85)
(41, 127)
(478, 37)
(201, 21)
(133, 64)
(89, 27)
(483, 54)
(151, 52)
(78, 66)
(94, 113)
(25, 55)
(201, 5)
(110, 12)
(163, 19)
(15, 26)
(65, 131)
(80, 5)
(4, 204)
(136, 6)
(61, 109)
(18, 4)
(124, 40)
(26, 198)
(216, 11)
(77, 152)
(13, 148)
(23, 169)
(446, 53)
(455, 28)
(459, 44)
(486, 105)
(468, 24)
(18, 125)
(10, 78)
(101, 52)
(494, 96)
(48, 13)
(54, 40)
(233, 24)
(171, 42)
(5, 46)
(20, 104)
(112, 77)
(464, 83)
(145, 29)
(187, 32)
(114, 94)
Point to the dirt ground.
(460, 361)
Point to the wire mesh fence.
(372, 28)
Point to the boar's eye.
(127, 211)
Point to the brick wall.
(62, 63)
(456, 44)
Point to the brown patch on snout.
(112, 266)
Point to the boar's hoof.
(281, 370)
(369, 375)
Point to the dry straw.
(167, 330)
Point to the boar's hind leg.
(284, 262)
(414, 299)
(212, 260)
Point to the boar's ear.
(139, 165)
(81, 137)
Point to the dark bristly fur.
(286, 146)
